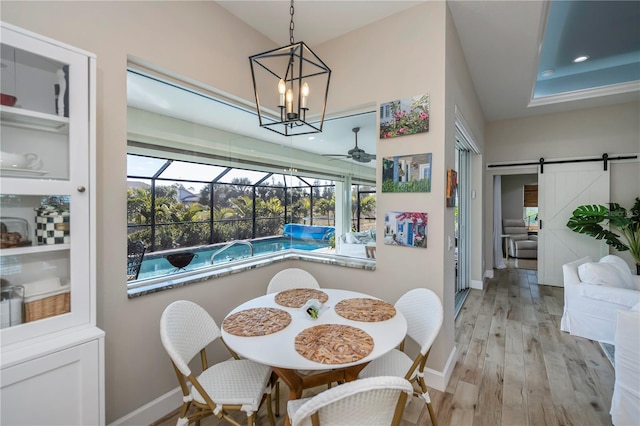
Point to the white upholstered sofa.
(594, 292)
(625, 404)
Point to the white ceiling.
(500, 40)
(316, 21)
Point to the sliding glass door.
(461, 212)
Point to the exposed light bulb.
(289, 101)
(281, 89)
(305, 94)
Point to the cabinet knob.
(81, 189)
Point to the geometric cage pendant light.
(291, 85)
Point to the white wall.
(203, 42)
(584, 133)
(462, 101)
(355, 60)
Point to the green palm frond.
(594, 219)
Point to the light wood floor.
(521, 263)
(515, 367)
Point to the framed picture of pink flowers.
(406, 229)
(404, 117)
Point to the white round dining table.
(278, 349)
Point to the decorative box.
(52, 225)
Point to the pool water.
(155, 265)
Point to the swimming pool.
(155, 265)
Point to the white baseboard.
(477, 284)
(440, 379)
(152, 411)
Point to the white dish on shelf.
(21, 172)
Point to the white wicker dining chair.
(186, 329)
(372, 402)
(284, 280)
(423, 311)
(291, 278)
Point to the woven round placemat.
(365, 309)
(297, 297)
(256, 322)
(333, 344)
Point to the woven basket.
(47, 307)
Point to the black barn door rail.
(605, 160)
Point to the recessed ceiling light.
(580, 59)
(548, 73)
(311, 138)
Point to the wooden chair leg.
(272, 420)
(425, 391)
(432, 415)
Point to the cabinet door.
(58, 389)
(45, 126)
(47, 249)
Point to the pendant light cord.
(291, 26)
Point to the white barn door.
(562, 188)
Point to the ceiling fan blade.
(362, 159)
(356, 153)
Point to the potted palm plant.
(593, 220)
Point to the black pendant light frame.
(294, 64)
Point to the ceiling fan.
(356, 153)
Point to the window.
(213, 197)
(530, 203)
(531, 218)
(173, 210)
(171, 205)
(363, 207)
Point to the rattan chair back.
(376, 401)
(291, 278)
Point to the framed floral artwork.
(406, 173)
(406, 229)
(404, 117)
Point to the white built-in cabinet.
(52, 353)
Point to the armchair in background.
(521, 244)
